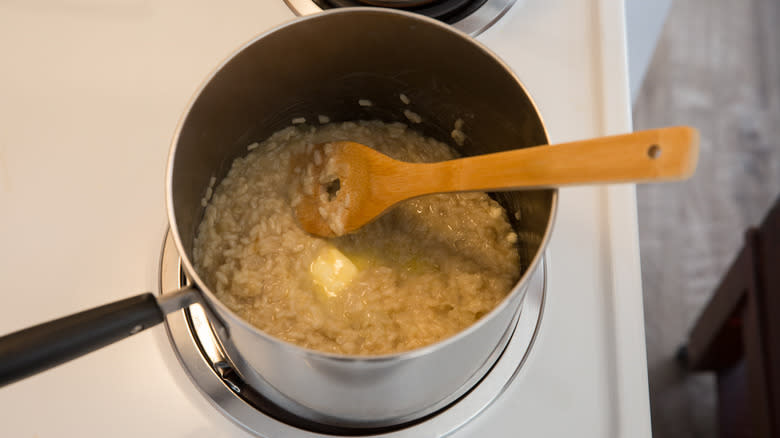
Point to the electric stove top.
(90, 94)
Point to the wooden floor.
(717, 67)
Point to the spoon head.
(331, 185)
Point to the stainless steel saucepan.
(324, 64)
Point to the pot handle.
(38, 348)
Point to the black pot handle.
(38, 348)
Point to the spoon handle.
(654, 155)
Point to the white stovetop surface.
(90, 93)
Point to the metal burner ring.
(210, 370)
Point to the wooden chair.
(737, 336)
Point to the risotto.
(426, 270)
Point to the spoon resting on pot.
(345, 185)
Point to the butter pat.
(332, 270)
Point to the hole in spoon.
(333, 187)
(654, 151)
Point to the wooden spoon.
(347, 185)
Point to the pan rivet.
(136, 329)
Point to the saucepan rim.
(212, 300)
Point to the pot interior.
(325, 66)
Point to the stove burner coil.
(448, 11)
(470, 16)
